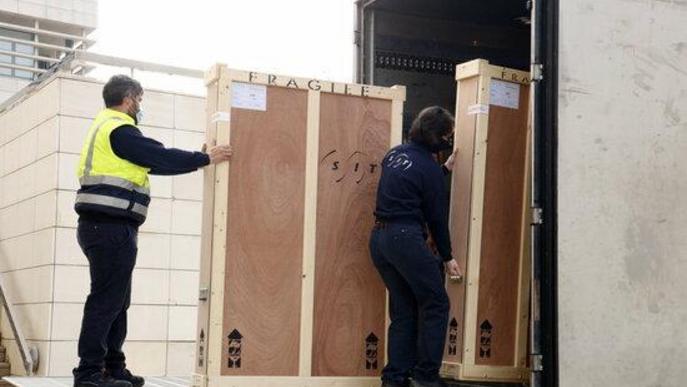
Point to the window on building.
(6, 56)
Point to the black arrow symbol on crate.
(453, 337)
(234, 349)
(201, 348)
(485, 339)
(371, 345)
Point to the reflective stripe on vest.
(91, 146)
(113, 181)
(110, 201)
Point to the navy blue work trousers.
(111, 250)
(419, 305)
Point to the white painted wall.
(623, 193)
(79, 12)
(40, 140)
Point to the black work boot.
(126, 375)
(98, 379)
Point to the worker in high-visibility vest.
(112, 203)
(411, 200)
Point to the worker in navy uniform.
(112, 203)
(412, 201)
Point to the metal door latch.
(203, 294)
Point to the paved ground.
(481, 384)
(21, 381)
(171, 381)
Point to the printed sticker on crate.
(505, 94)
(248, 96)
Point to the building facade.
(37, 34)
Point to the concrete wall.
(622, 193)
(9, 86)
(80, 12)
(40, 140)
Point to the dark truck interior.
(417, 43)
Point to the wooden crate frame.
(468, 369)
(213, 247)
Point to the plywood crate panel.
(288, 293)
(486, 339)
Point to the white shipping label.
(506, 94)
(478, 109)
(248, 96)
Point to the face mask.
(137, 114)
(442, 145)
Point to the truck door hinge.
(537, 362)
(537, 70)
(537, 216)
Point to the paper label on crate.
(505, 94)
(221, 117)
(478, 109)
(248, 96)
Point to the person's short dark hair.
(430, 125)
(120, 87)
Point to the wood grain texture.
(265, 235)
(349, 294)
(461, 188)
(501, 234)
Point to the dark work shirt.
(412, 188)
(130, 144)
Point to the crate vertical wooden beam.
(219, 232)
(309, 233)
(206, 243)
(475, 235)
(395, 140)
(397, 116)
(522, 327)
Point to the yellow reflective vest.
(109, 183)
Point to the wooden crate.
(488, 323)
(289, 296)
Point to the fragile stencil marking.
(247, 96)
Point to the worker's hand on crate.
(449, 162)
(218, 153)
(454, 271)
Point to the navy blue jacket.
(412, 189)
(129, 143)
